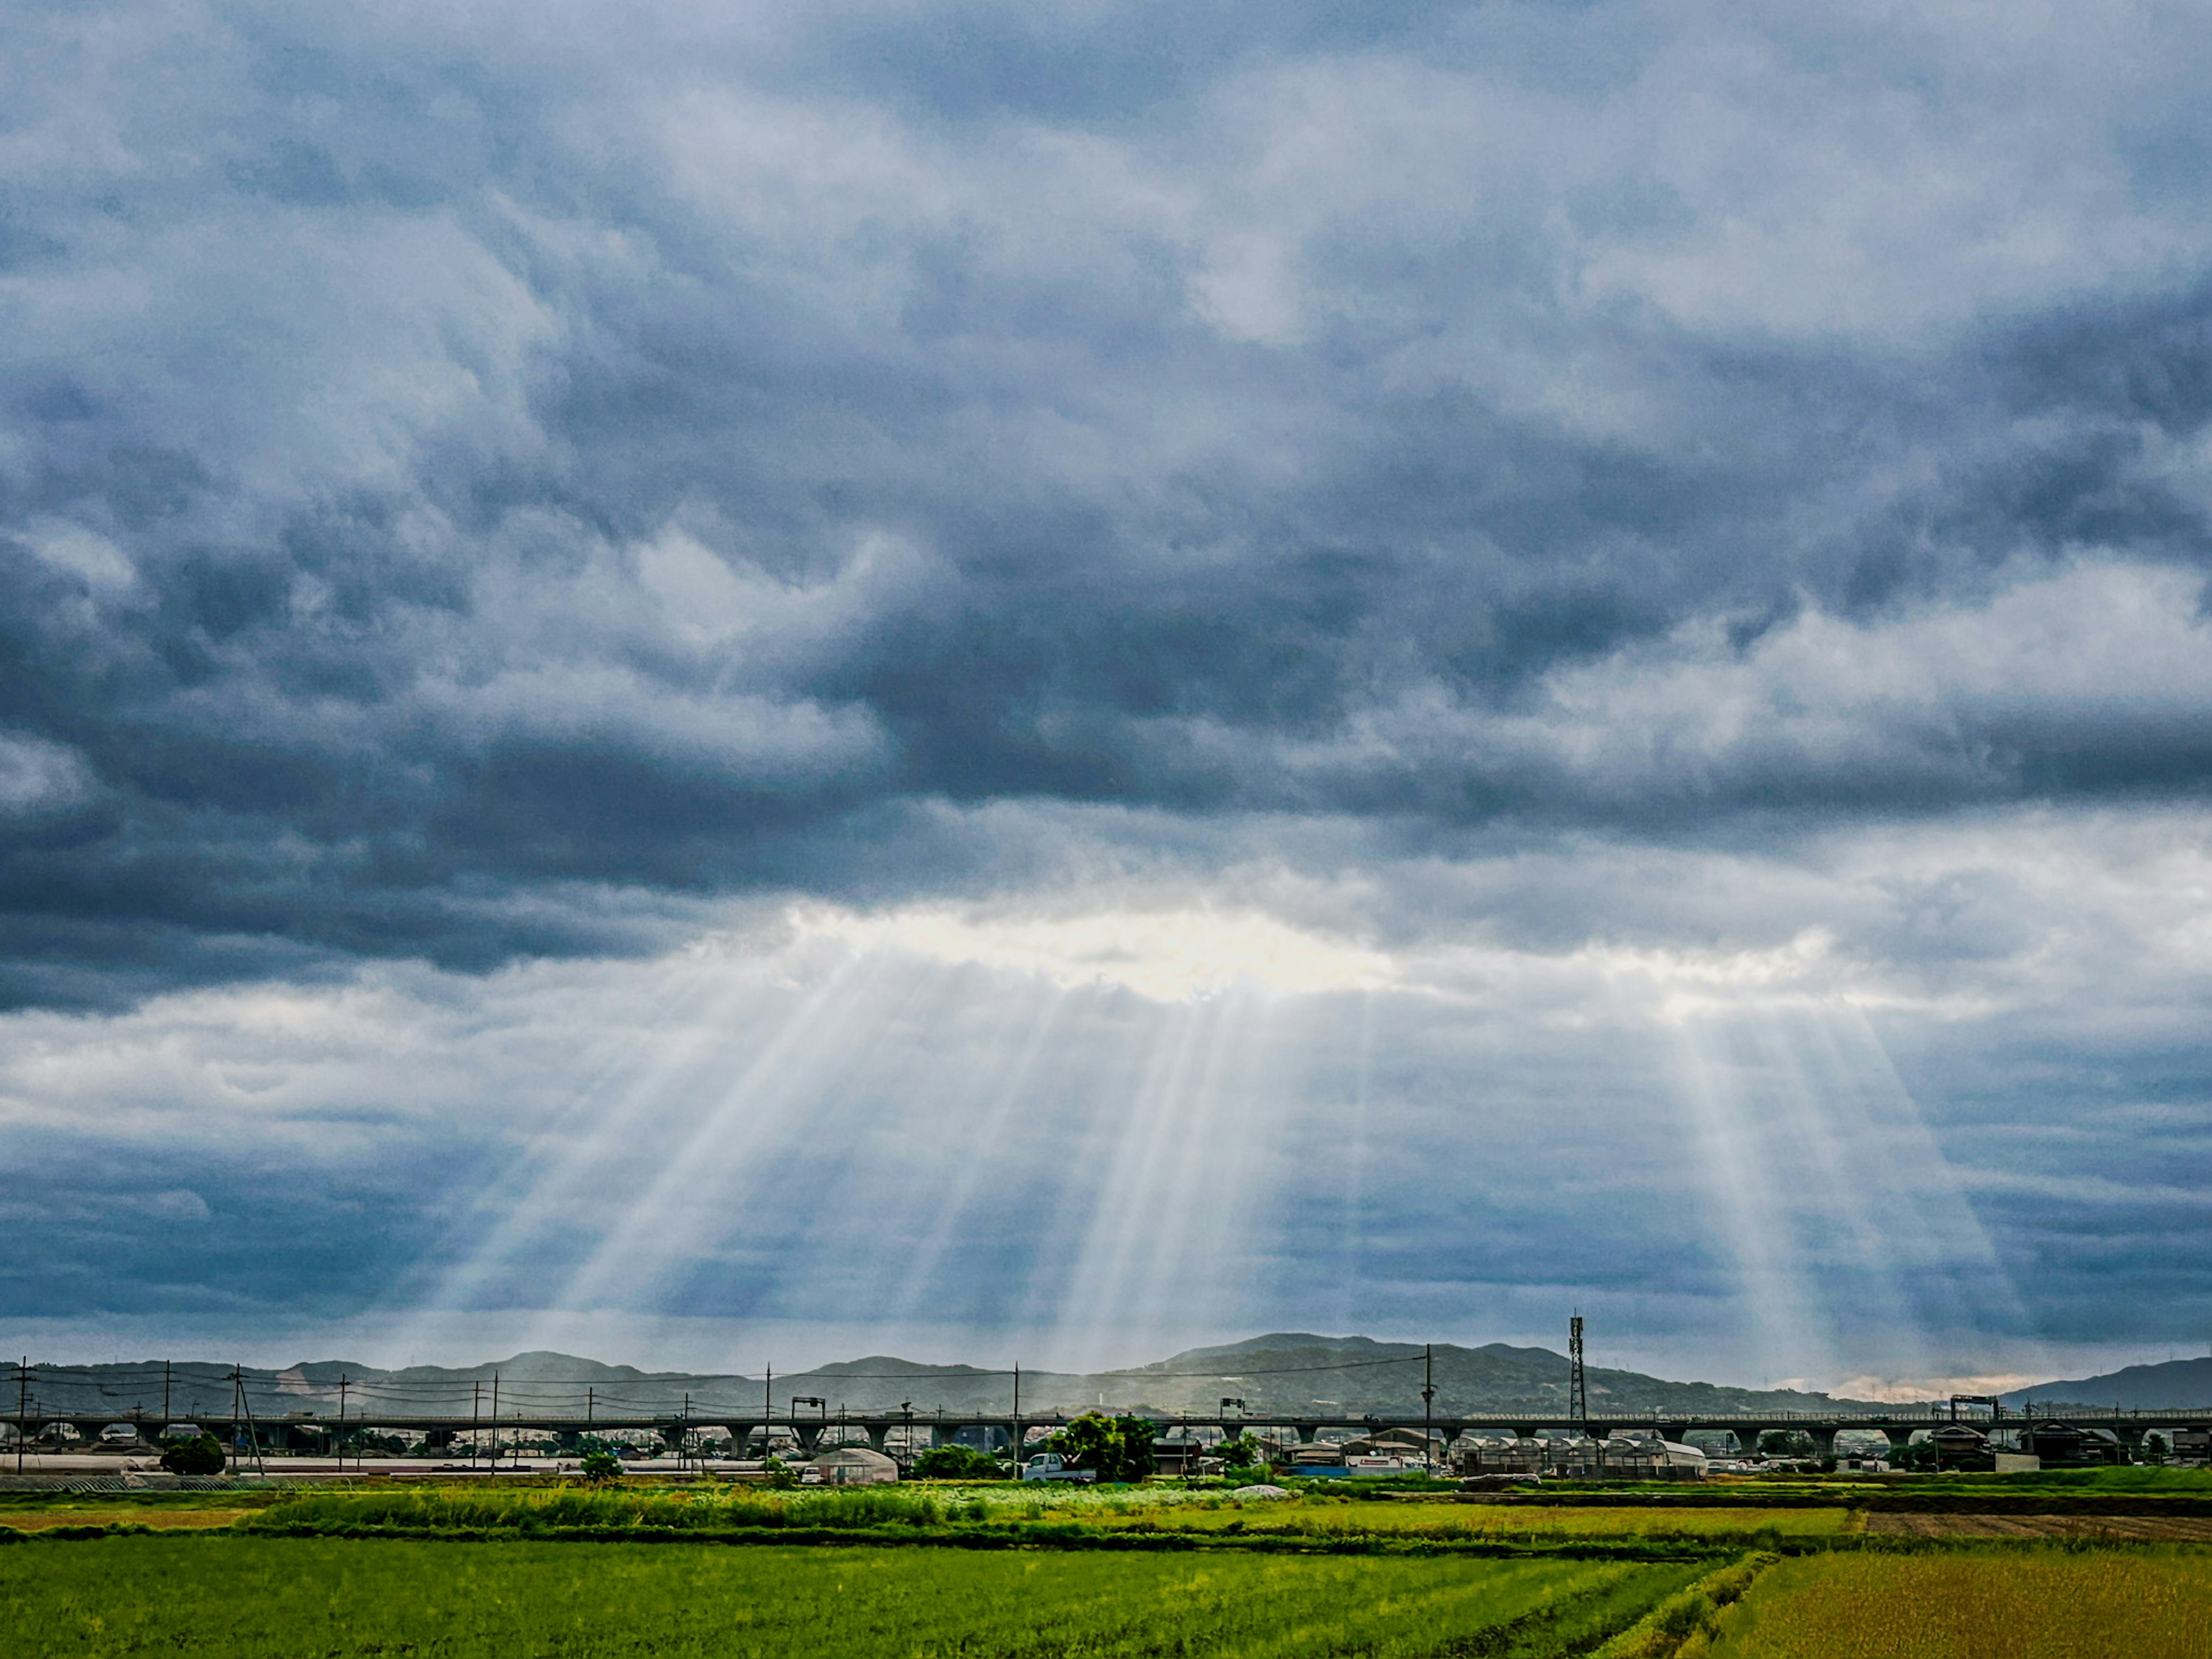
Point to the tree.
(1916, 1455)
(956, 1463)
(1118, 1448)
(202, 1456)
(1241, 1451)
(1136, 1435)
(601, 1466)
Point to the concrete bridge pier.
(878, 1434)
(1824, 1441)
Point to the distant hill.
(2135, 1387)
(1281, 1377)
(1356, 1375)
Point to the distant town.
(1487, 1416)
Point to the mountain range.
(2134, 1388)
(1284, 1374)
(1280, 1377)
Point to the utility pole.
(1017, 1422)
(1428, 1397)
(343, 1382)
(252, 1434)
(1577, 1387)
(22, 1409)
(165, 1393)
(768, 1415)
(476, 1413)
(495, 1422)
(590, 1399)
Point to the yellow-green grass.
(115, 1515)
(1511, 1523)
(246, 1597)
(2081, 1604)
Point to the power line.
(397, 1388)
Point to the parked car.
(1049, 1466)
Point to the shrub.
(956, 1463)
(202, 1456)
(601, 1466)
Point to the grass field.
(247, 1597)
(2135, 1528)
(1741, 1528)
(2134, 1477)
(2124, 1603)
(1318, 1518)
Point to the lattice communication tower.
(1577, 1390)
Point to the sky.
(739, 685)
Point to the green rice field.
(251, 1597)
(913, 1572)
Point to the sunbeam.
(1845, 1227)
(1178, 1164)
(621, 1083)
(681, 1210)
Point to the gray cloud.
(508, 485)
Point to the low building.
(1406, 1444)
(1178, 1457)
(1962, 1446)
(1316, 1456)
(1502, 1456)
(1622, 1459)
(855, 1466)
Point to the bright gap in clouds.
(1166, 956)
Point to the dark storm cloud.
(452, 474)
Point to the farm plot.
(1495, 1523)
(2134, 1528)
(248, 1597)
(110, 1515)
(2073, 1604)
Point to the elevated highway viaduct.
(304, 1431)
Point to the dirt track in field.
(2135, 1528)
